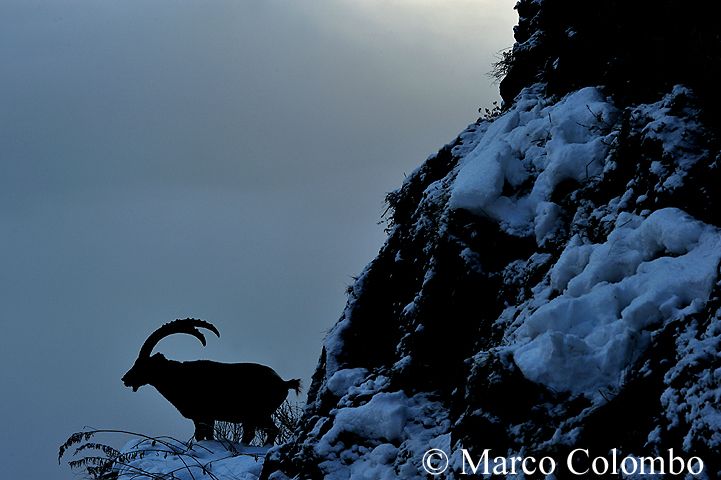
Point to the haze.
(223, 160)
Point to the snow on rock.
(544, 143)
(382, 418)
(533, 269)
(693, 393)
(384, 438)
(206, 460)
(668, 128)
(342, 380)
(648, 272)
(676, 132)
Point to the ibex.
(205, 391)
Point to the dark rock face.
(437, 326)
(638, 49)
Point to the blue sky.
(225, 160)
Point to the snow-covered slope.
(549, 282)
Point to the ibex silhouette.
(205, 391)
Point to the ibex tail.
(294, 384)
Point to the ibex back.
(205, 391)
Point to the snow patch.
(342, 380)
(648, 272)
(382, 418)
(384, 438)
(693, 392)
(674, 125)
(546, 144)
(206, 460)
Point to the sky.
(222, 160)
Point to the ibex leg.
(204, 429)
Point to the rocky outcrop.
(638, 50)
(549, 280)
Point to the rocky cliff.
(550, 278)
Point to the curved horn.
(188, 325)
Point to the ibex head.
(146, 366)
